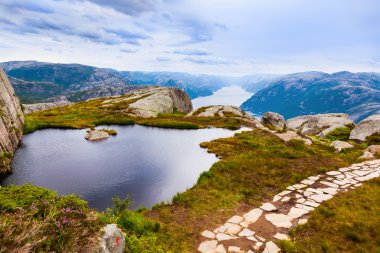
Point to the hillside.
(357, 94)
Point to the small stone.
(208, 234)
(290, 188)
(234, 249)
(223, 237)
(296, 212)
(222, 229)
(320, 197)
(307, 193)
(233, 229)
(331, 191)
(253, 215)
(298, 196)
(302, 221)
(301, 200)
(271, 247)
(307, 208)
(282, 237)
(246, 233)
(283, 193)
(359, 184)
(244, 224)
(252, 238)
(268, 207)
(236, 219)
(276, 198)
(344, 169)
(208, 246)
(279, 220)
(299, 186)
(220, 249)
(307, 182)
(285, 199)
(260, 238)
(315, 178)
(333, 173)
(311, 203)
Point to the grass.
(109, 131)
(254, 167)
(34, 219)
(347, 223)
(89, 114)
(339, 134)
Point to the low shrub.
(339, 134)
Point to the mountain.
(43, 82)
(357, 94)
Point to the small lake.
(149, 164)
(231, 95)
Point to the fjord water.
(149, 164)
(231, 95)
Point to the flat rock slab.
(279, 220)
(268, 207)
(208, 246)
(253, 215)
(297, 212)
(271, 247)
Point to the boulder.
(95, 135)
(291, 135)
(320, 124)
(340, 145)
(29, 108)
(365, 128)
(161, 100)
(371, 151)
(112, 240)
(273, 121)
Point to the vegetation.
(109, 131)
(91, 113)
(347, 223)
(374, 139)
(339, 134)
(36, 219)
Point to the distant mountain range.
(357, 94)
(40, 81)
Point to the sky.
(222, 37)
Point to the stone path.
(255, 230)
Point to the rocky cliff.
(11, 122)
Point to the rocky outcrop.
(11, 122)
(340, 145)
(29, 108)
(273, 121)
(320, 124)
(151, 102)
(112, 241)
(371, 152)
(96, 135)
(291, 135)
(366, 127)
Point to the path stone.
(282, 237)
(291, 207)
(296, 212)
(271, 247)
(268, 207)
(253, 215)
(208, 234)
(208, 246)
(279, 220)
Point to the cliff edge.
(11, 122)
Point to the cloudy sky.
(198, 36)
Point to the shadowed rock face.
(11, 120)
(366, 127)
(274, 121)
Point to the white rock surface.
(366, 127)
(279, 220)
(112, 240)
(96, 135)
(340, 145)
(271, 247)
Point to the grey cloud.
(7, 21)
(129, 7)
(128, 50)
(206, 61)
(128, 37)
(163, 59)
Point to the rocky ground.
(258, 229)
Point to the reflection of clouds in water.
(232, 95)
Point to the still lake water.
(231, 95)
(149, 164)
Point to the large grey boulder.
(320, 124)
(112, 240)
(96, 135)
(291, 135)
(365, 128)
(29, 108)
(340, 145)
(11, 121)
(273, 121)
(151, 102)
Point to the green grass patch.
(339, 134)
